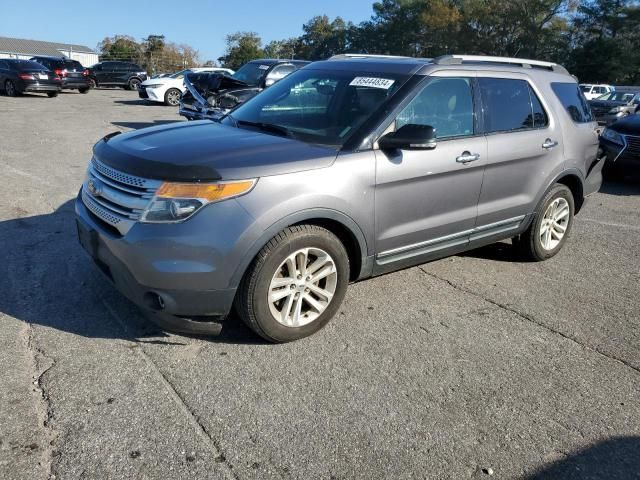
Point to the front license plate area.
(88, 238)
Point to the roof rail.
(346, 56)
(522, 62)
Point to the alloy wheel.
(554, 223)
(173, 97)
(302, 287)
(10, 88)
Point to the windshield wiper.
(265, 127)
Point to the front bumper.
(627, 155)
(177, 269)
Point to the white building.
(25, 49)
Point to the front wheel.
(295, 284)
(550, 227)
(133, 84)
(172, 97)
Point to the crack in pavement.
(200, 429)
(41, 364)
(531, 319)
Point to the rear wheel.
(52, 94)
(172, 97)
(295, 284)
(10, 89)
(93, 83)
(83, 90)
(551, 226)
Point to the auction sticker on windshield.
(373, 82)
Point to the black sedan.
(620, 142)
(19, 76)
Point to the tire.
(93, 83)
(133, 84)
(83, 90)
(10, 89)
(307, 245)
(172, 97)
(555, 213)
(52, 94)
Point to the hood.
(627, 126)
(607, 103)
(161, 81)
(207, 151)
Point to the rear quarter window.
(573, 101)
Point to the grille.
(115, 197)
(633, 145)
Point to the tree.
(120, 47)
(241, 48)
(323, 38)
(282, 48)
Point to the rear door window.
(510, 105)
(573, 101)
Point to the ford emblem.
(94, 187)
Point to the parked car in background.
(344, 170)
(615, 105)
(73, 75)
(169, 89)
(117, 74)
(211, 95)
(620, 143)
(592, 91)
(20, 76)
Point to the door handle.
(549, 144)
(468, 157)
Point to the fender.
(298, 217)
(564, 173)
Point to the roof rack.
(346, 56)
(524, 63)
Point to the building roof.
(37, 47)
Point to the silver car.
(346, 169)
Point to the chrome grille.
(633, 144)
(117, 198)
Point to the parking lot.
(474, 366)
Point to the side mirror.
(410, 137)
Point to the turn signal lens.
(210, 192)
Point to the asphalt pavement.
(475, 366)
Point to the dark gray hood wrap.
(205, 151)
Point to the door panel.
(427, 196)
(426, 200)
(521, 161)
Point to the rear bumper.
(39, 87)
(75, 83)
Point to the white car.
(169, 90)
(594, 91)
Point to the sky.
(202, 24)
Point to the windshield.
(251, 73)
(180, 74)
(617, 96)
(585, 88)
(24, 65)
(321, 107)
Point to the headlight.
(155, 85)
(615, 110)
(613, 136)
(175, 202)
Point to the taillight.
(60, 72)
(26, 76)
(85, 73)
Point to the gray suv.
(346, 169)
